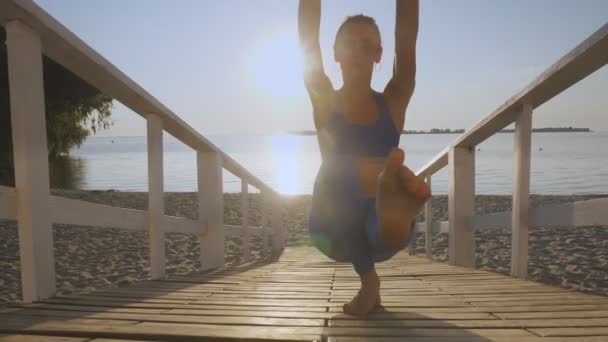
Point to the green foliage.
(74, 109)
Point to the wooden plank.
(119, 300)
(467, 339)
(263, 302)
(474, 324)
(150, 295)
(113, 340)
(571, 331)
(17, 323)
(30, 159)
(147, 305)
(211, 209)
(543, 308)
(36, 338)
(461, 198)
(243, 320)
(543, 302)
(335, 315)
(341, 331)
(554, 314)
(159, 331)
(93, 308)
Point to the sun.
(276, 65)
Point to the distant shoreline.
(460, 131)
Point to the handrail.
(437, 163)
(65, 48)
(31, 32)
(580, 62)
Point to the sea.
(562, 163)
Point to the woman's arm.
(400, 88)
(318, 84)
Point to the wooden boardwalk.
(299, 298)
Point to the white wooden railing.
(459, 157)
(31, 32)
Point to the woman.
(364, 198)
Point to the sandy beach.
(89, 258)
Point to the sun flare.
(276, 65)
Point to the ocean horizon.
(562, 163)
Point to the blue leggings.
(343, 223)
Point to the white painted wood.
(461, 198)
(412, 245)
(245, 215)
(589, 56)
(8, 203)
(31, 162)
(494, 220)
(441, 227)
(81, 213)
(279, 231)
(69, 211)
(211, 209)
(521, 192)
(428, 226)
(264, 224)
(66, 48)
(231, 230)
(156, 191)
(574, 214)
(584, 213)
(180, 225)
(70, 51)
(437, 163)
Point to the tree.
(74, 110)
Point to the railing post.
(521, 193)
(428, 219)
(461, 201)
(156, 205)
(245, 216)
(412, 245)
(279, 231)
(31, 162)
(265, 242)
(211, 209)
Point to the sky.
(233, 66)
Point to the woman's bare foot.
(368, 297)
(399, 196)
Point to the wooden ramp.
(299, 298)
